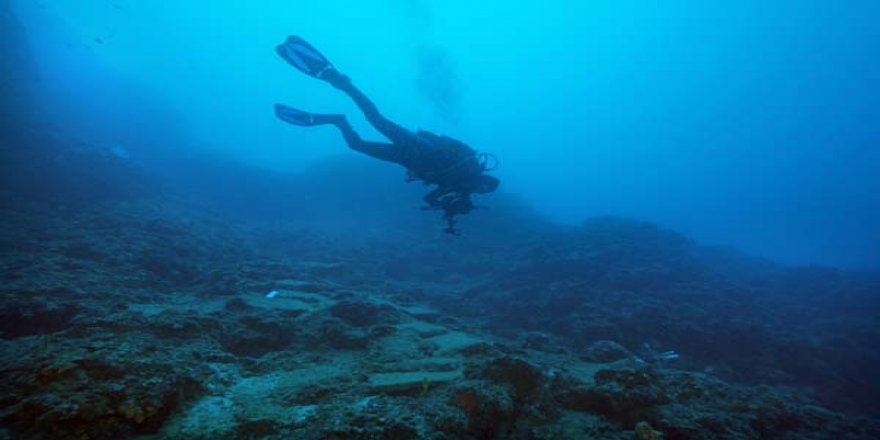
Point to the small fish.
(99, 40)
(272, 294)
(667, 356)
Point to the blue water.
(752, 123)
(684, 241)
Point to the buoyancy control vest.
(443, 160)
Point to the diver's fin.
(303, 56)
(294, 116)
(305, 119)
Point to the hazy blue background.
(751, 123)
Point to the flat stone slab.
(421, 312)
(429, 364)
(424, 329)
(584, 371)
(291, 300)
(305, 286)
(456, 343)
(323, 268)
(211, 415)
(410, 383)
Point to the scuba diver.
(456, 169)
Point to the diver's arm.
(452, 202)
(433, 197)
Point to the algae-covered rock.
(93, 399)
(364, 313)
(525, 379)
(28, 318)
(604, 352)
(210, 417)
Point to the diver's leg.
(378, 150)
(433, 197)
(395, 133)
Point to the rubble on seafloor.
(178, 339)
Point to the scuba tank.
(450, 158)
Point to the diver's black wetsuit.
(456, 177)
(402, 140)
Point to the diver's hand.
(456, 205)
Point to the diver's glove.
(451, 205)
(454, 205)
